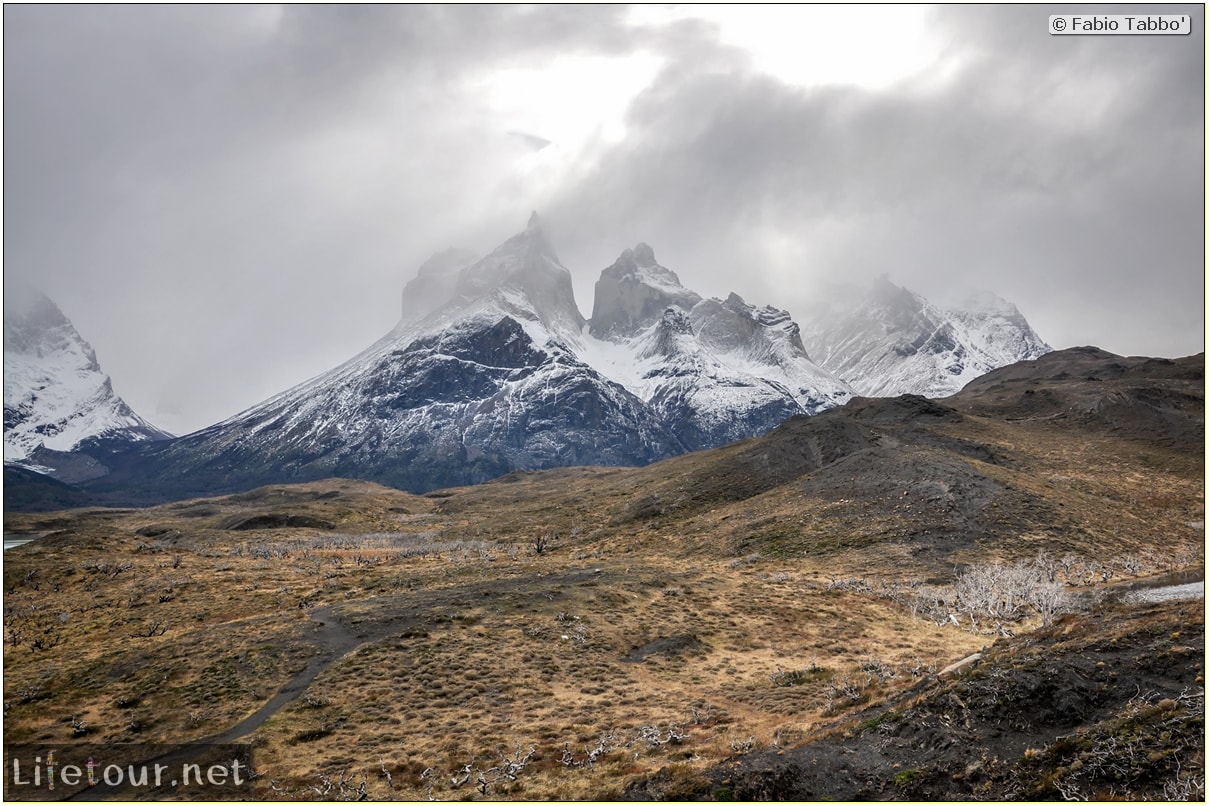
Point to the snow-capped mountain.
(493, 368)
(488, 381)
(55, 394)
(713, 371)
(892, 341)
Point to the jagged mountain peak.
(434, 283)
(639, 265)
(890, 340)
(982, 300)
(532, 241)
(33, 324)
(734, 301)
(522, 278)
(24, 302)
(766, 315)
(527, 252)
(716, 370)
(633, 292)
(55, 393)
(895, 305)
(644, 256)
(889, 293)
(534, 238)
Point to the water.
(13, 540)
(1167, 593)
(1165, 588)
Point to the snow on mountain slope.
(767, 343)
(492, 368)
(55, 394)
(502, 372)
(488, 382)
(892, 341)
(996, 330)
(713, 371)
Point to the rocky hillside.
(1100, 707)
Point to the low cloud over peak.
(258, 185)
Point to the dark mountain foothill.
(1152, 399)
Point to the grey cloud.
(1064, 174)
(226, 200)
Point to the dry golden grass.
(478, 648)
(561, 666)
(656, 610)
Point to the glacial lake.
(13, 540)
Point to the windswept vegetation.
(718, 625)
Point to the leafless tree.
(1068, 563)
(1004, 594)
(508, 769)
(1050, 599)
(463, 775)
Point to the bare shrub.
(988, 598)
(508, 769)
(544, 540)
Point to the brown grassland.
(565, 634)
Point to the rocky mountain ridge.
(891, 341)
(492, 368)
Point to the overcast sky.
(227, 200)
